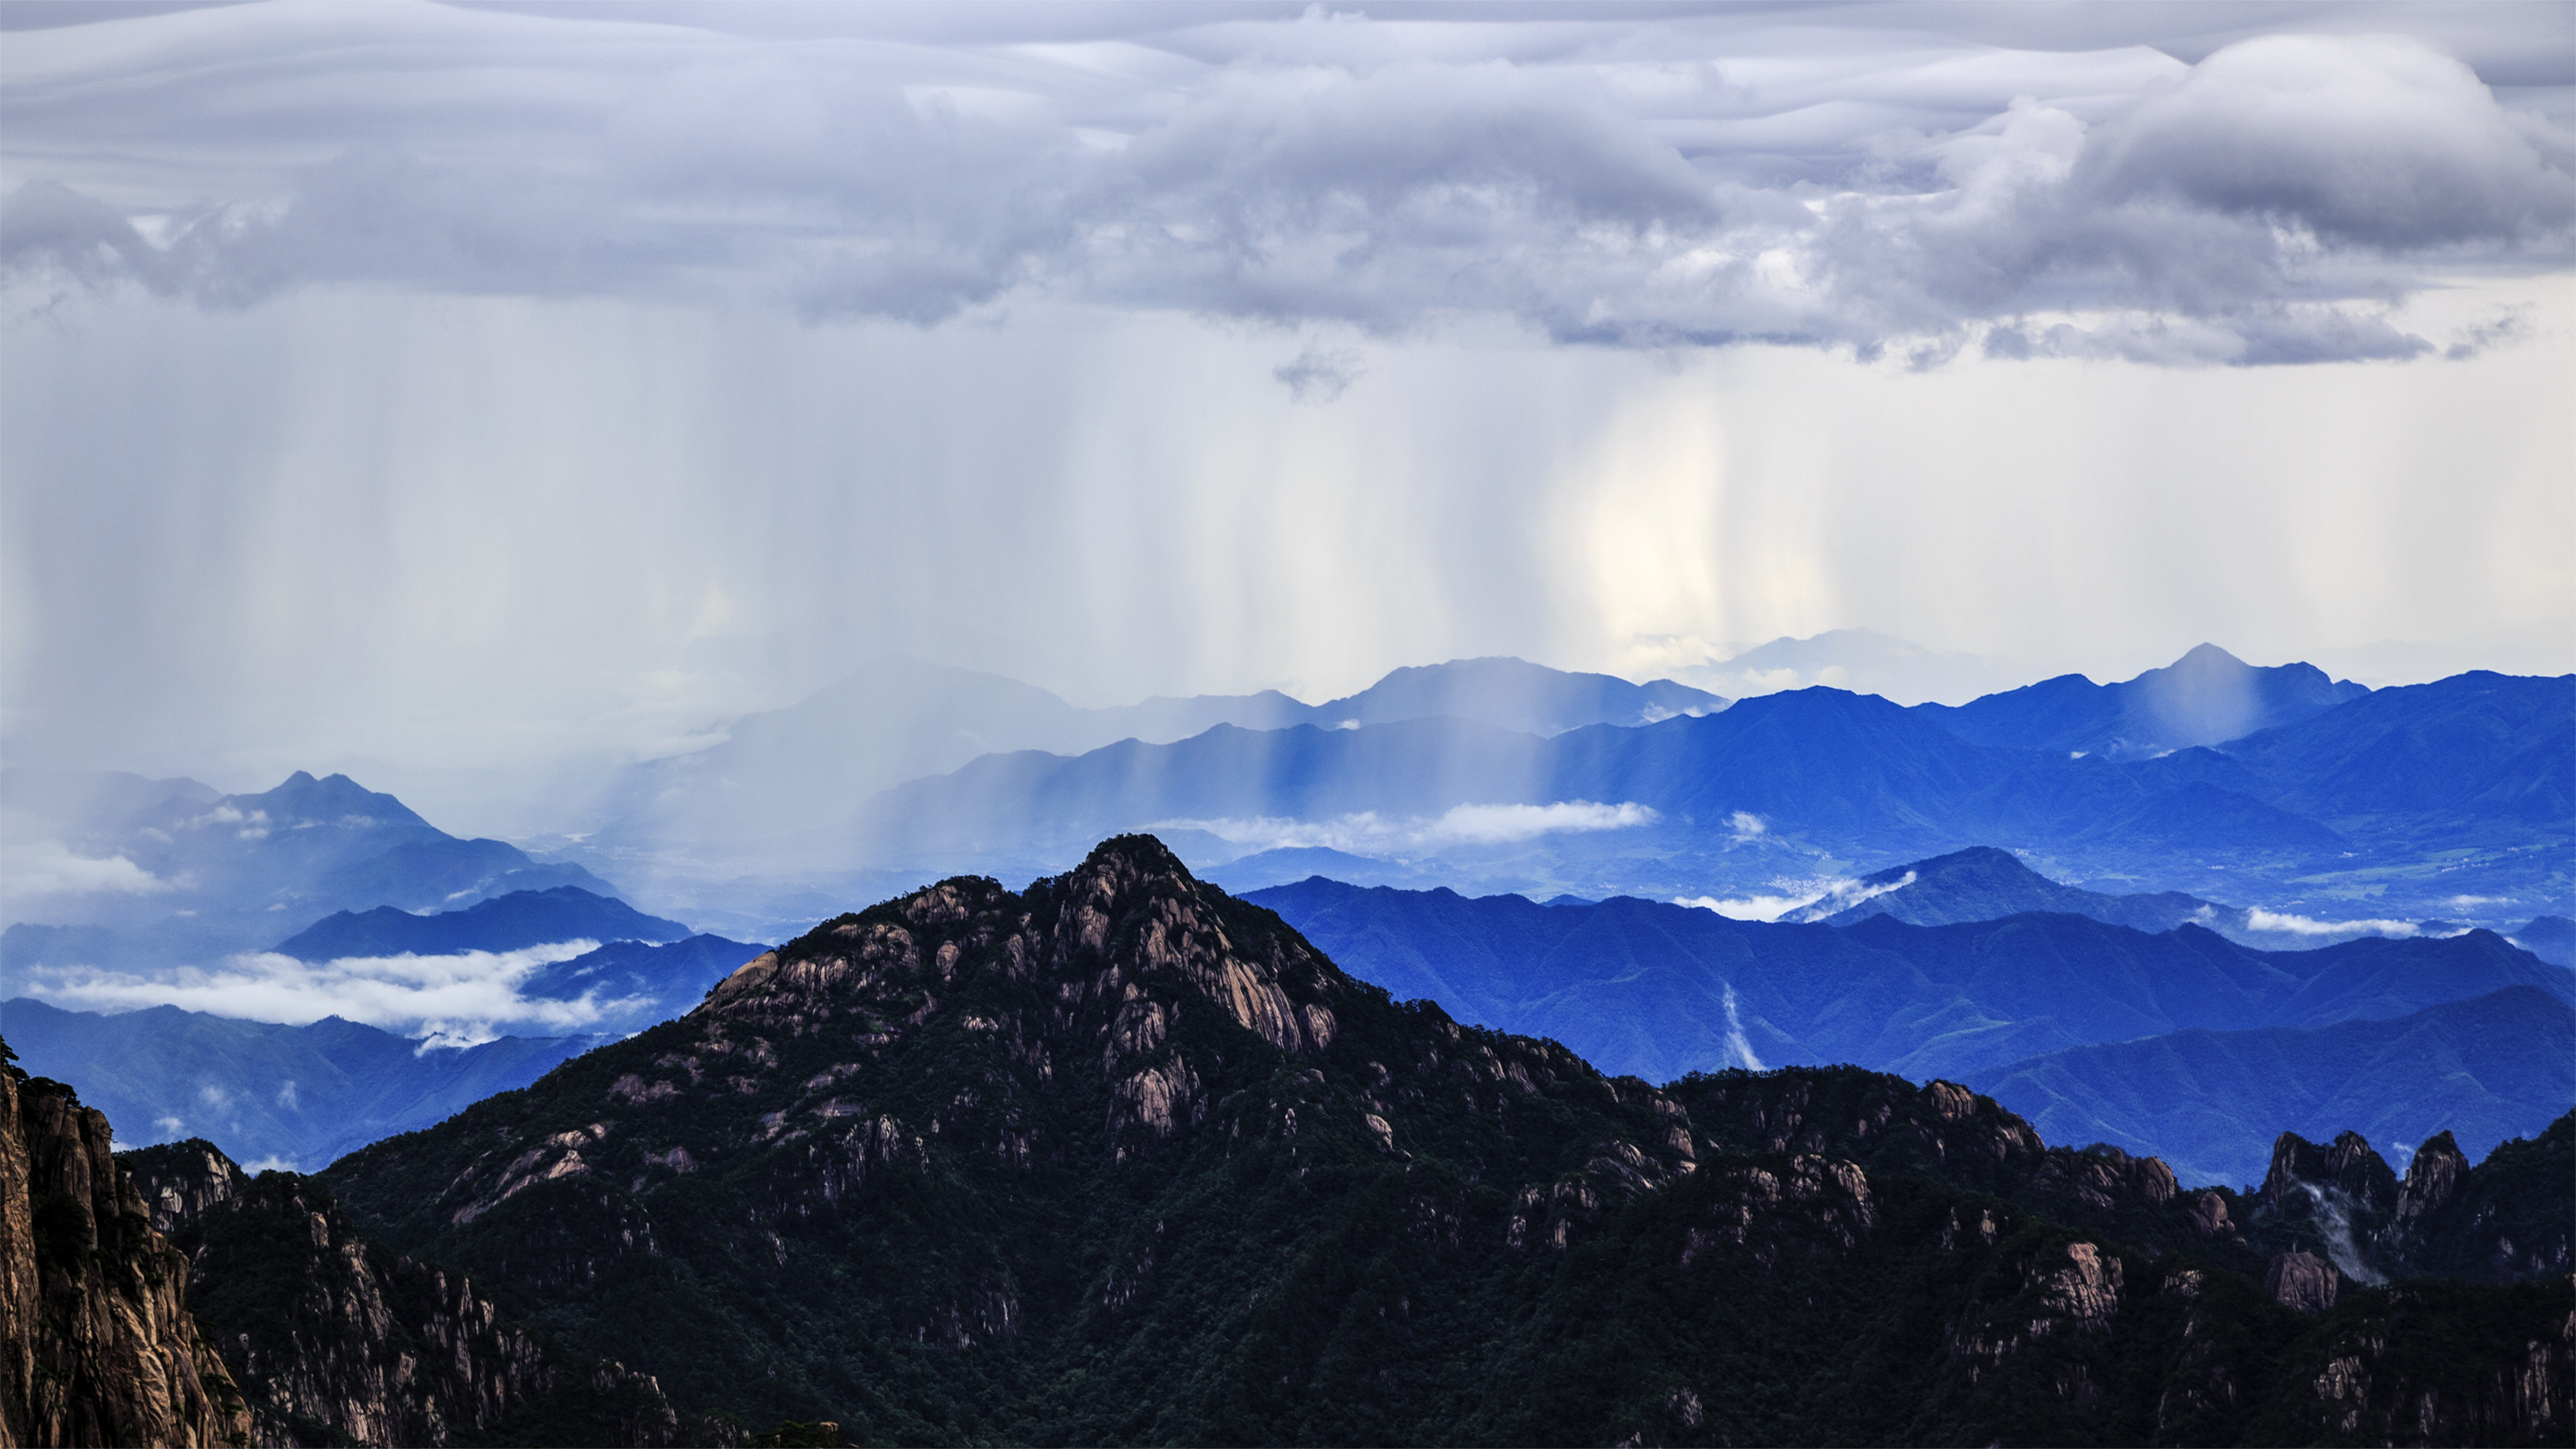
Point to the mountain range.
(2207, 697)
(506, 923)
(303, 1095)
(2413, 798)
(271, 1094)
(2487, 1070)
(1119, 1157)
(1660, 990)
(147, 874)
(808, 765)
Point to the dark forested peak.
(2433, 1177)
(1943, 1131)
(1130, 923)
(2347, 1165)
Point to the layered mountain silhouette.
(2486, 1069)
(191, 876)
(304, 1095)
(1660, 990)
(2207, 697)
(519, 919)
(1120, 1157)
(806, 766)
(1851, 770)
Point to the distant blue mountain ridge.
(2207, 697)
(269, 1095)
(1659, 990)
(2398, 782)
(519, 919)
(233, 873)
(807, 766)
(2486, 1069)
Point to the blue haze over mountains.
(2058, 893)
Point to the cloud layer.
(1840, 182)
(457, 1000)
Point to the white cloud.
(1592, 180)
(48, 867)
(1813, 898)
(1368, 833)
(459, 1000)
(2258, 919)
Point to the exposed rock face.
(2505, 1219)
(339, 1340)
(96, 1342)
(2302, 1281)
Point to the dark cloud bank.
(1914, 182)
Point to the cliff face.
(337, 1339)
(96, 1342)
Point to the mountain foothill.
(1370, 1148)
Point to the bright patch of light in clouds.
(454, 1000)
(1368, 833)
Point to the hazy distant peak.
(2206, 697)
(1861, 660)
(332, 797)
(1516, 694)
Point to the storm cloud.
(1821, 177)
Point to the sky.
(468, 387)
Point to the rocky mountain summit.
(1119, 1156)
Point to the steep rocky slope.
(1122, 1157)
(339, 1340)
(96, 1342)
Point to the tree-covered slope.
(1120, 1157)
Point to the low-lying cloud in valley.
(456, 1000)
(1832, 893)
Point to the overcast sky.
(460, 385)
